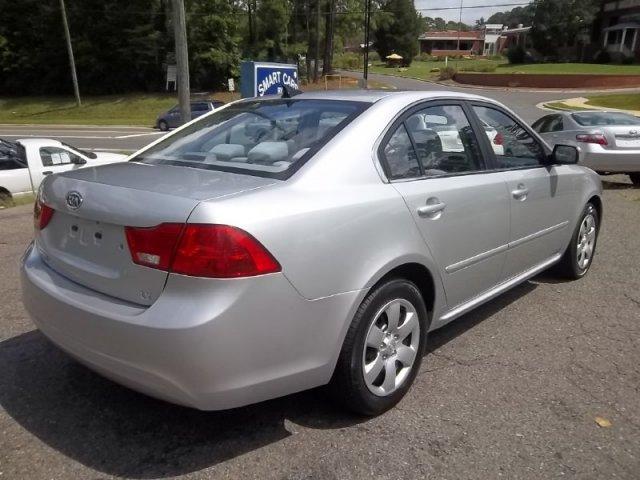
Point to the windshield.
(268, 138)
(602, 119)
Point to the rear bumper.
(615, 161)
(207, 344)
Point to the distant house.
(491, 39)
(620, 22)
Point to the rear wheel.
(383, 349)
(579, 255)
(163, 125)
(635, 178)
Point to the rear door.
(541, 197)
(461, 209)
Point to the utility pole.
(74, 77)
(317, 43)
(460, 25)
(182, 59)
(367, 28)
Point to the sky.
(486, 8)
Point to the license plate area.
(628, 142)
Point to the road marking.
(88, 137)
(140, 135)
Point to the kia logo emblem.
(74, 200)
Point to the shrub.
(628, 61)
(602, 57)
(435, 70)
(447, 73)
(423, 57)
(350, 61)
(516, 54)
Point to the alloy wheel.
(586, 241)
(391, 346)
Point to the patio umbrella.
(393, 56)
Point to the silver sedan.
(610, 141)
(277, 245)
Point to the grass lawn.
(422, 70)
(629, 101)
(129, 109)
(570, 68)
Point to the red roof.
(453, 35)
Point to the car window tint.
(400, 156)
(444, 140)
(52, 156)
(602, 119)
(260, 137)
(555, 124)
(199, 107)
(513, 146)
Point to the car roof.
(373, 96)
(39, 142)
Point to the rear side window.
(602, 119)
(199, 107)
(512, 144)
(269, 138)
(400, 156)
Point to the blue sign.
(260, 78)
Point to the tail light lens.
(213, 251)
(42, 214)
(596, 138)
(498, 139)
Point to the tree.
(214, 42)
(558, 22)
(515, 17)
(397, 30)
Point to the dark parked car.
(171, 118)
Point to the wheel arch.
(596, 200)
(6, 192)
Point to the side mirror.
(565, 155)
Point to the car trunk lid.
(87, 243)
(623, 137)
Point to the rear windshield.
(267, 138)
(602, 119)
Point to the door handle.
(432, 209)
(520, 193)
(47, 172)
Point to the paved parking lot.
(511, 390)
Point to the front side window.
(52, 156)
(513, 145)
(444, 140)
(267, 138)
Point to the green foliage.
(447, 73)
(349, 61)
(487, 67)
(516, 54)
(557, 23)
(397, 30)
(515, 17)
(602, 57)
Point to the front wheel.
(579, 255)
(163, 126)
(383, 349)
(635, 178)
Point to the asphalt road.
(511, 390)
(110, 138)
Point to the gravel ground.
(511, 390)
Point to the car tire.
(163, 126)
(578, 257)
(6, 200)
(360, 392)
(635, 178)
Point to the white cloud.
(429, 8)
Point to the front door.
(433, 158)
(540, 195)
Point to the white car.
(25, 162)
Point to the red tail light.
(42, 214)
(498, 139)
(214, 251)
(596, 138)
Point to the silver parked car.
(276, 245)
(610, 140)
